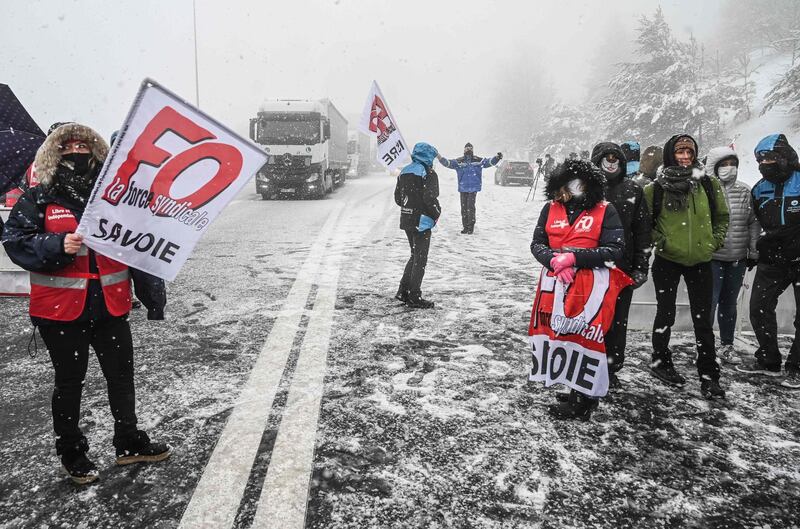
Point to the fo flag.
(170, 173)
(568, 329)
(377, 120)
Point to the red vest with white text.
(61, 295)
(583, 233)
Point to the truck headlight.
(308, 161)
(313, 178)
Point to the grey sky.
(438, 62)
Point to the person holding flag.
(80, 298)
(469, 170)
(577, 238)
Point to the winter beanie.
(684, 142)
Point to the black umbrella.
(20, 137)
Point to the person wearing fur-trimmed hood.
(80, 298)
(580, 188)
(690, 220)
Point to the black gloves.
(499, 156)
(751, 263)
(639, 278)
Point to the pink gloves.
(562, 265)
(566, 275)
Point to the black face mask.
(79, 162)
(773, 172)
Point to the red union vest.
(61, 295)
(583, 233)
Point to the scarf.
(75, 187)
(678, 183)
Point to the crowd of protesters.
(702, 224)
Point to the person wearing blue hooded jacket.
(417, 193)
(776, 202)
(469, 170)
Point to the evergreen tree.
(567, 129)
(672, 90)
(787, 92)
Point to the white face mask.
(610, 167)
(575, 188)
(727, 173)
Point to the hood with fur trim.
(48, 157)
(584, 171)
(716, 156)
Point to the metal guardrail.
(13, 279)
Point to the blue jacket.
(777, 208)
(469, 171)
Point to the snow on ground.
(428, 420)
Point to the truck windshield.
(280, 132)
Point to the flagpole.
(196, 72)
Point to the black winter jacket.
(611, 246)
(628, 199)
(417, 196)
(31, 248)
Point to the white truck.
(306, 141)
(359, 153)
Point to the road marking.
(218, 494)
(284, 496)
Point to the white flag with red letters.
(377, 121)
(170, 173)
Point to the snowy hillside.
(747, 135)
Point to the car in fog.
(509, 172)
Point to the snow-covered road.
(297, 392)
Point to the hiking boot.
(710, 389)
(138, 448)
(419, 303)
(464, 231)
(80, 468)
(577, 406)
(401, 296)
(665, 371)
(728, 355)
(758, 367)
(792, 378)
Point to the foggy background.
(445, 67)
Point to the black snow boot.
(80, 468)
(417, 302)
(664, 370)
(577, 406)
(137, 448)
(710, 389)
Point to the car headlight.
(313, 178)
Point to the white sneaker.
(728, 355)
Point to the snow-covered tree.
(672, 89)
(786, 92)
(566, 129)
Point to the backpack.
(658, 198)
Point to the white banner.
(565, 362)
(170, 173)
(377, 121)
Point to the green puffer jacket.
(690, 236)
